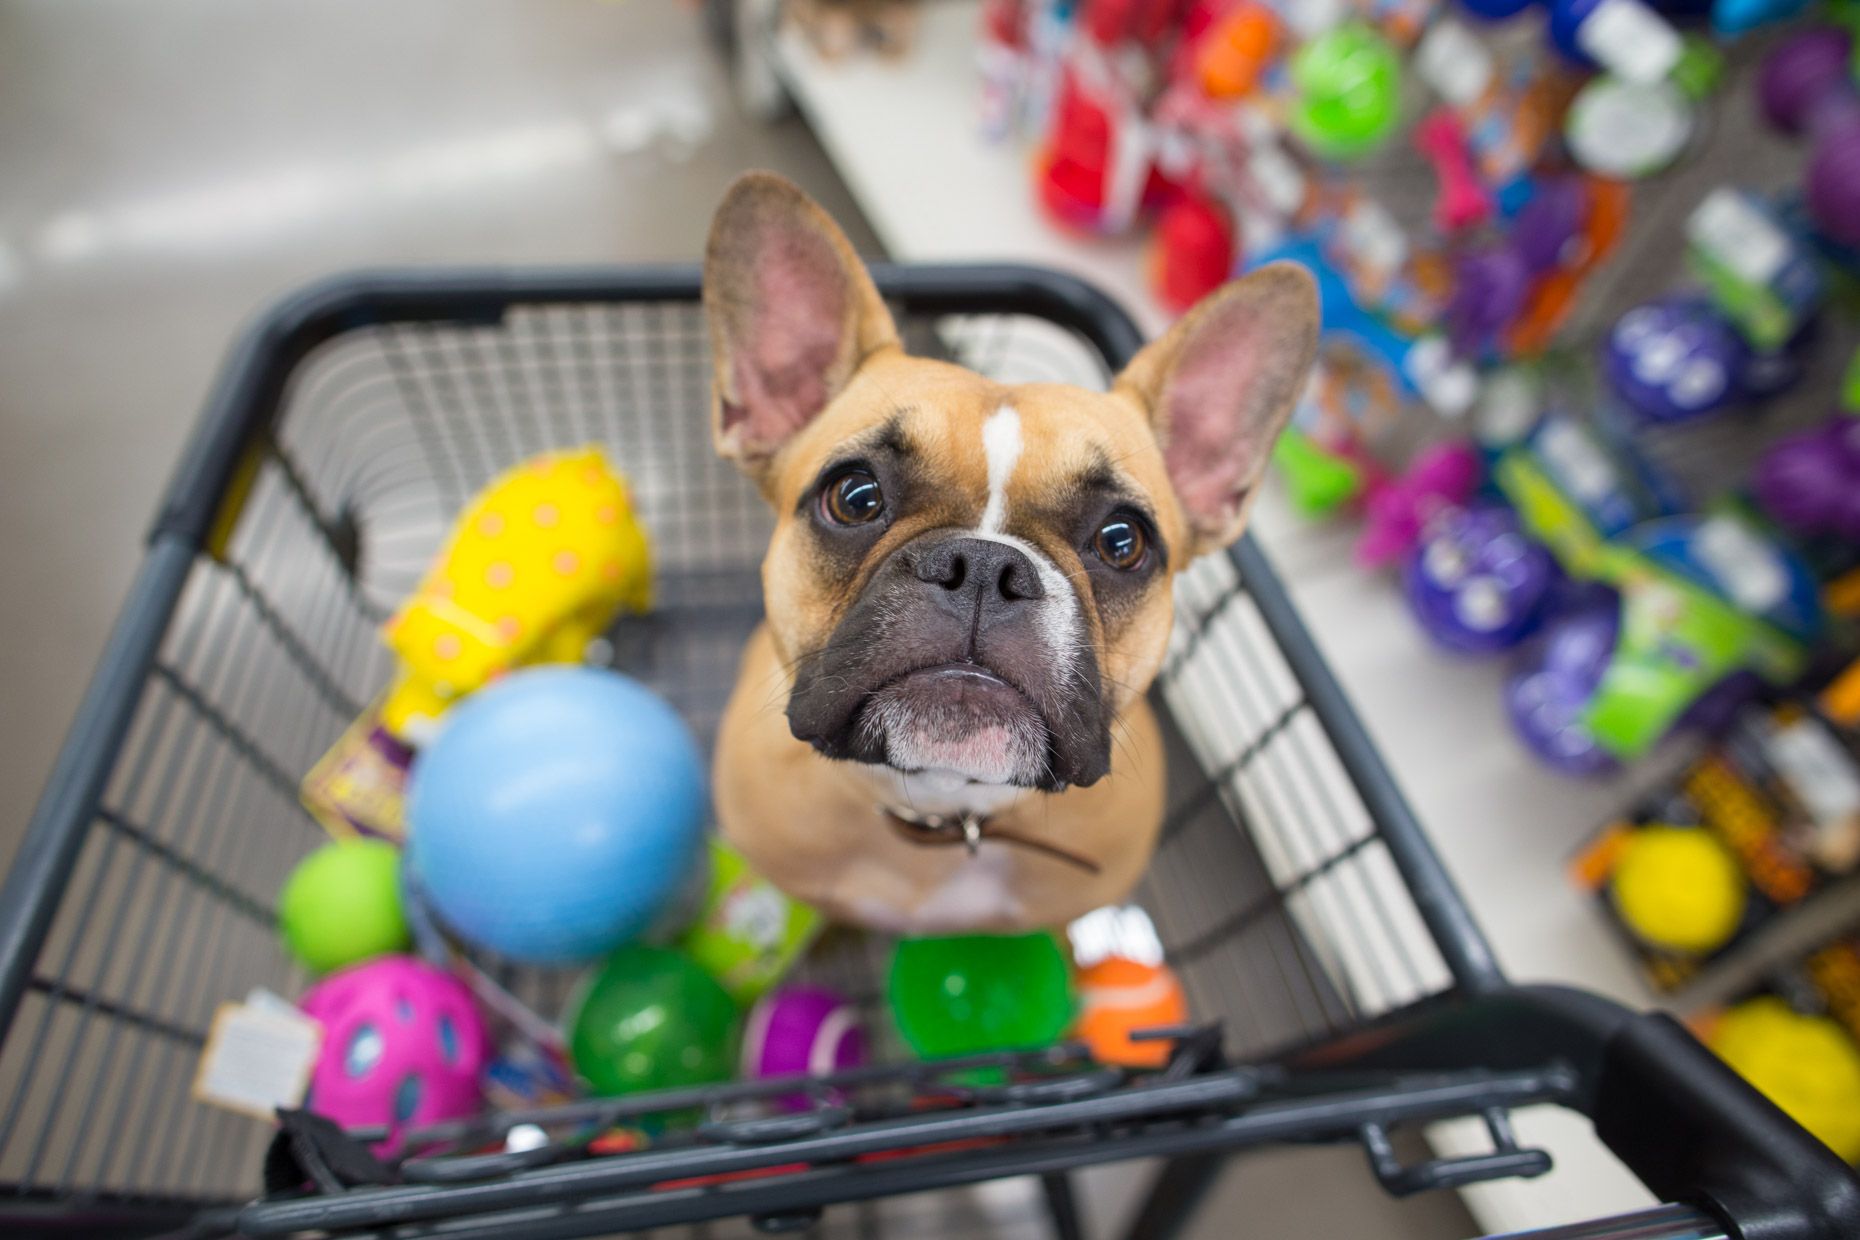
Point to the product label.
(258, 1058)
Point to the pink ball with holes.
(403, 1045)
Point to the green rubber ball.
(650, 1018)
(1348, 85)
(970, 993)
(342, 905)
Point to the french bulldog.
(940, 725)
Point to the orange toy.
(1233, 54)
(1118, 996)
(1555, 294)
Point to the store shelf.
(904, 135)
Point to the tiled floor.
(166, 171)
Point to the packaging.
(1780, 797)
(1797, 1039)
(748, 933)
(360, 786)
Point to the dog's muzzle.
(963, 653)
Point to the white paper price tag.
(1747, 567)
(1374, 240)
(1310, 18)
(1277, 178)
(1453, 61)
(1729, 229)
(1630, 40)
(1819, 770)
(1449, 386)
(1576, 461)
(257, 1059)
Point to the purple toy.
(1547, 696)
(1477, 585)
(403, 1045)
(1810, 483)
(802, 1029)
(1490, 286)
(1807, 86)
(1675, 359)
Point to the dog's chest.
(956, 890)
(979, 892)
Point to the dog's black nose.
(977, 570)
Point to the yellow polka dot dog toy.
(536, 567)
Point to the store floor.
(165, 171)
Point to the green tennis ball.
(342, 905)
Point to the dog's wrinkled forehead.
(1023, 461)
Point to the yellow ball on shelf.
(1807, 1065)
(1679, 889)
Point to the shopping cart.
(1344, 990)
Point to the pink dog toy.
(1397, 511)
(1463, 202)
(403, 1045)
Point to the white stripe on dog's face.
(1001, 444)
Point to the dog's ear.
(1220, 385)
(792, 313)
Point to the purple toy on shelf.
(1809, 483)
(1807, 87)
(403, 1045)
(1546, 697)
(1477, 584)
(1490, 286)
(1675, 359)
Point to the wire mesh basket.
(1342, 987)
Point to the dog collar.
(970, 830)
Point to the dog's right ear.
(792, 314)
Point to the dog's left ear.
(1220, 385)
(792, 314)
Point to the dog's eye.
(853, 498)
(1121, 543)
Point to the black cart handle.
(1659, 1223)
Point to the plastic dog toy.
(1807, 87)
(1477, 584)
(556, 813)
(403, 1045)
(1675, 359)
(342, 905)
(802, 1029)
(1809, 483)
(1421, 365)
(651, 1019)
(979, 992)
(537, 567)
(1678, 889)
(1441, 477)
(1807, 1065)
(1118, 997)
(1348, 86)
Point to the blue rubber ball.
(555, 813)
